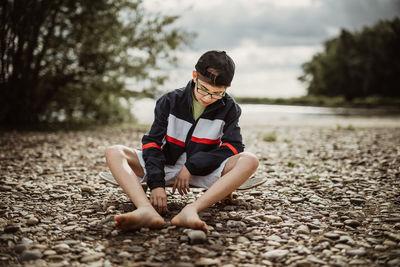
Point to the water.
(261, 114)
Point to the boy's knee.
(251, 159)
(113, 151)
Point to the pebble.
(26, 241)
(55, 211)
(207, 261)
(92, 257)
(32, 221)
(303, 229)
(49, 252)
(394, 262)
(296, 199)
(275, 254)
(357, 201)
(20, 248)
(124, 254)
(197, 237)
(332, 235)
(11, 229)
(33, 254)
(356, 252)
(272, 218)
(242, 239)
(352, 223)
(393, 236)
(61, 248)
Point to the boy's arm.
(203, 163)
(152, 146)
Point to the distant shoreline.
(323, 101)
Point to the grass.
(291, 164)
(269, 137)
(313, 178)
(347, 128)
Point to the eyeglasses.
(204, 92)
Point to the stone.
(124, 254)
(26, 241)
(332, 235)
(207, 261)
(242, 239)
(352, 223)
(197, 237)
(392, 220)
(357, 201)
(19, 248)
(33, 254)
(275, 254)
(394, 262)
(32, 221)
(87, 189)
(49, 252)
(272, 218)
(235, 224)
(61, 248)
(12, 228)
(303, 229)
(296, 199)
(92, 257)
(356, 252)
(392, 236)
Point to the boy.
(194, 140)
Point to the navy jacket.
(208, 141)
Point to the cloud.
(268, 39)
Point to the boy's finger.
(164, 205)
(160, 205)
(184, 190)
(187, 186)
(180, 190)
(174, 187)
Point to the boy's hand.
(182, 181)
(158, 198)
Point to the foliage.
(68, 60)
(358, 64)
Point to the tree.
(67, 60)
(358, 64)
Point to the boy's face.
(203, 91)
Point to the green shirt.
(197, 108)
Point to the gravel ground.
(332, 199)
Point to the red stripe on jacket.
(231, 147)
(175, 141)
(205, 140)
(151, 145)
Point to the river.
(265, 115)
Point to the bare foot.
(141, 217)
(188, 217)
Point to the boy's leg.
(125, 167)
(237, 170)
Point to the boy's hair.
(216, 67)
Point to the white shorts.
(171, 171)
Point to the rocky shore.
(332, 199)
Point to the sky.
(269, 40)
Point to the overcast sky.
(267, 39)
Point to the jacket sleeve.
(203, 163)
(152, 145)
